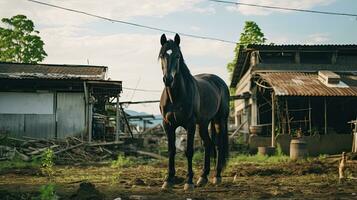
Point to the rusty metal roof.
(318, 47)
(244, 53)
(50, 71)
(308, 84)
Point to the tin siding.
(70, 114)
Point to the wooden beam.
(117, 131)
(325, 115)
(310, 123)
(272, 119)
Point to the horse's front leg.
(171, 137)
(189, 154)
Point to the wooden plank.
(105, 143)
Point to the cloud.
(117, 9)
(130, 57)
(317, 38)
(298, 4)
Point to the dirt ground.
(315, 178)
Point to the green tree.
(251, 34)
(19, 41)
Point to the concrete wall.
(34, 114)
(316, 145)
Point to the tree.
(251, 34)
(19, 41)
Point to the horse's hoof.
(166, 185)
(202, 181)
(188, 187)
(217, 180)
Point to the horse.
(193, 102)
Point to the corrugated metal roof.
(331, 47)
(243, 53)
(308, 84)
(47, 71)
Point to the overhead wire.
(285, 8)
(132, 23)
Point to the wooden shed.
(53, 101)
(296, 89)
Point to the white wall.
(26, 103)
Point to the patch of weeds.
(322, 156)
(279, 151)
(17, 163)
(47, 192)
(259, 159)
(198, 157)
(115, 177)
(47, 163)
(122, 161)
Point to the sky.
(131, 53)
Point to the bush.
(122, 161)
(47, 163)
(47, 192)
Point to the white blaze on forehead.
(169, 52)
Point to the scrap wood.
(37, 151)
(22, 156)
(105, 143)
(153, 155)
(69, 148)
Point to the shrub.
(122, 161)
(47, 163)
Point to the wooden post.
(254, 110)
(325, 115)
(90, 118)
(272, 119)
(310, 116)
(85, 109)
(287, 115)
(117, 131)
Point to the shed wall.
(35, 114)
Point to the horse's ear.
(177, 39)
(163, 39)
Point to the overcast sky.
(131, 53)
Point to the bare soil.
(313, 179)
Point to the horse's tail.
(224, 143)
(220, 140)
(213, 142)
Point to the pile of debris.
(69, 150)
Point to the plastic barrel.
(298, 149)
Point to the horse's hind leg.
(203, 131)
(222, 147)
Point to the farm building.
(292, 90)
(56, 101)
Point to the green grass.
(122, 161)
(18, 164)
(198, 157)
(258, 159)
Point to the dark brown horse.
(193, 101)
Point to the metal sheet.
(70, 114)
(19, 70)
(39, 126)
(308, 84)
(26, 103)
(12, 123)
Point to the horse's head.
(170, 56)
